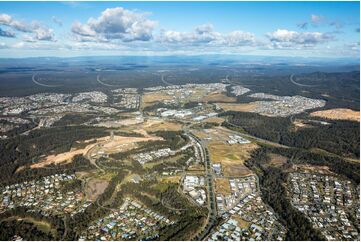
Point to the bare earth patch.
(338, 114)
(240, 107)
(120, 123)
(108, 145)
(299, 124)
(277, 160)
(94, 188)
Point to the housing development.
(148, 161)
(179, 121)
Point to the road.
(299, 84)
(105, 84)
(165, 82)
(41, 84)
(96, 147)
(212, 215)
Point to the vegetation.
(24, 149)
(341, 137)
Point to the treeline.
(174, 139)
(21, 129)
(74, 119)
(24, 149)
(341, 137)
(78, 163)
(347, 169)
(10, 225)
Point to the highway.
(41, 84)
(105, 84)
(165, 82)
(212, 215)
(299, 84)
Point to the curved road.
(299, 84)
(165, 82)
(41, 84)
(105, 84)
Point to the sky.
(305, 29)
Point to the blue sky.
(319, 29)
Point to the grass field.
(161, 125)
(231, 157)
(150, 98)
(218, 97)
(222, 186)
(338, 114)
(217, 120)
(241, 107)
(242, 223)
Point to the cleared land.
(106, 144)
(94, 188)
(171, 179)
(242, 223)
(277, 160)
(218, 97)
(120, 123)
(217, 120)
(338, 114)
(231, 157)
(222, 186)
(150, 98)
(160, 125)
(241, 107)
(299, 124)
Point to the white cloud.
(115, 24)
(7, 20)
(204, 34)
(287, 38)
(39, 31)
(239, 38)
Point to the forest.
(341, 137)
(25, 149)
